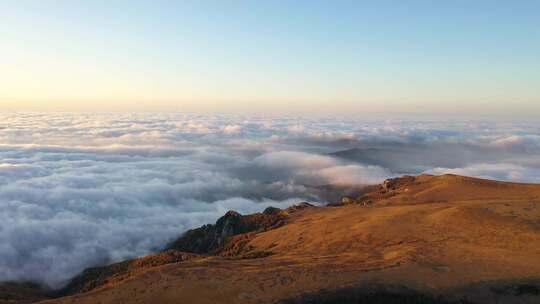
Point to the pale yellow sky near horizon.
(262, 57)
(482, 106)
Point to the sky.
(261, 56)
(125, 123)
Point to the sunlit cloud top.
(85, 189)
(479, 56)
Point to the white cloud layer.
(78, 190)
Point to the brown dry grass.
(429, 234)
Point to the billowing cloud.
(317, 169)
(78, 190)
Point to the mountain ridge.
(436, 239)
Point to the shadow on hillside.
(501, 292)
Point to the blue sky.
(270, 55)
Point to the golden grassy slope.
(431, 233)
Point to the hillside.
(424, 239)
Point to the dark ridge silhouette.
(368, 295)
(22, 292)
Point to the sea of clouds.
(79, 190)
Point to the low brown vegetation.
(444, 239)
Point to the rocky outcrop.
(395, 183)
(348, 201)
(375, 193)
(210, 239)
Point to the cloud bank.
(78, 190)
